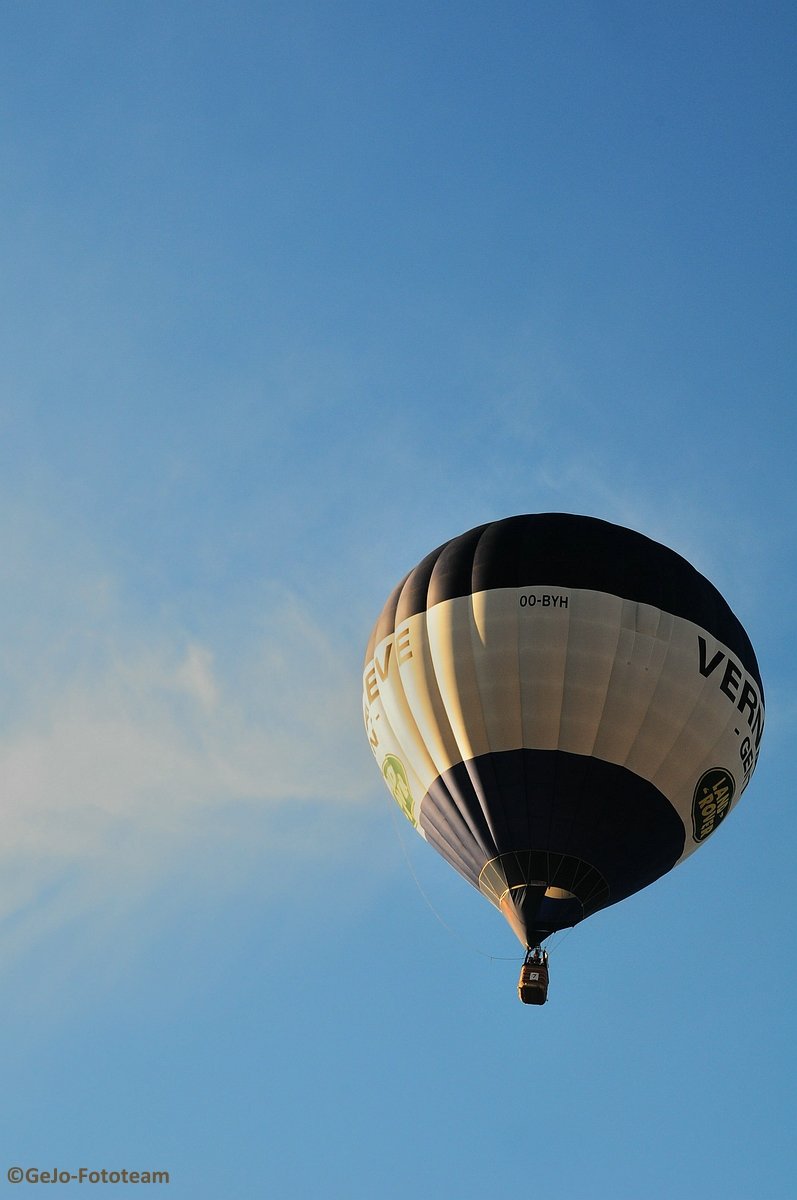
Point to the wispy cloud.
(127, 744)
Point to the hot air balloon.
(565, 710)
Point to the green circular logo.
(396, 778)
(711, 802)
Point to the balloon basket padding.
(532, 986)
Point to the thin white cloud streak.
(137, 748)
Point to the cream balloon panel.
(393, 733)
(392, 724)
(551, 668)
(402, 752)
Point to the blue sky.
(290, 295)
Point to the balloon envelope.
(564, 709)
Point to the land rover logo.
(711, 801)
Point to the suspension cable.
(453, 932)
